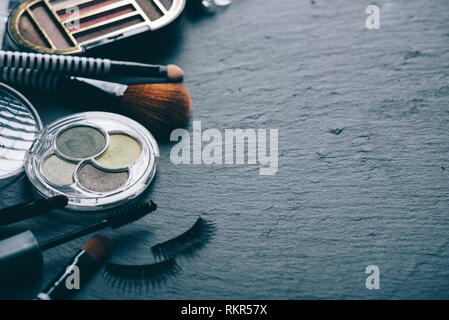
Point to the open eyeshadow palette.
(97, 159)
(74, 26)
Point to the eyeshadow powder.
(29, 32)
(122, 151)
(51, 27)
(98, 180)
(80, 142)
(58, 171)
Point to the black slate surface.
(375, 193)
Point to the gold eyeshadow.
(97, 159)
(74, 26)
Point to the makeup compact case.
(74, 26)
(98, 160)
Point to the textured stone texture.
(363, 121)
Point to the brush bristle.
(160, 107)
(131, 213)
(98, 247)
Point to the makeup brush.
(160, 107)
(86, 262)
(88, 67)
(22, 253)
(31, 209)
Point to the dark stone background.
(377, 193)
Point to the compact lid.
(19, 125)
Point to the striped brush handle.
(28, 78)
(55, 63)
(56, 82)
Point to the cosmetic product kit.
(88, 161)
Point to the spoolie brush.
(160, 107)
(22, 254)
(116, 219)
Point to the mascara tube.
(76, 273)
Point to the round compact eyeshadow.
(58, 171)
(92, 178)
(80, 142)
(121, 152)
(98, 160)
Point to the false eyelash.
(155, 274)
(132, 277)
(187, 243)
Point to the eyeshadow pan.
(29, 32)
(80, 142)
(58, 171)
(44, 18)
(167, 4)
(122, 151)
(98, 180)
(151, 9)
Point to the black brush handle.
(56, 82)
(78, 66)
(74, 235)
(31, 209)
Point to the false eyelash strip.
(187, 243)
(132, 277)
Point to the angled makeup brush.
(87, 260)
(160, 107)
(88, 67)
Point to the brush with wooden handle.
(88, 67)
(160, 107)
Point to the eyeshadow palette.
(74, 26)
(97, 159)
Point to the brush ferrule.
(114, 89)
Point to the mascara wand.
(22, 254)
(115, 220)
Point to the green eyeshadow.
(58, 171)
(122, 151)
(80, 142)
